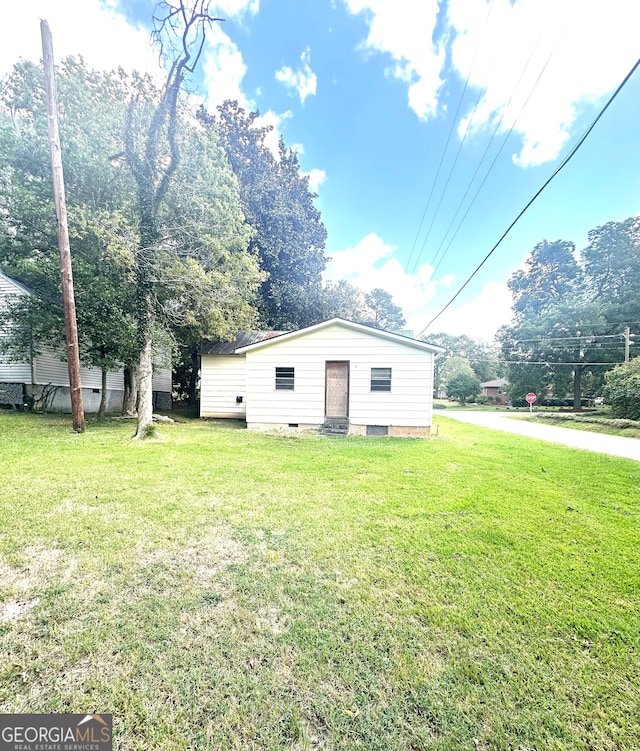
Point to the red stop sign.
(530, 397)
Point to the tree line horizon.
(570, 311)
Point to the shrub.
(622, 390)
(590, 419)
(463, 386)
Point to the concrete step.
(336, 426)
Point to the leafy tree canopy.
(622, 390)
(385, 313)
(288, 234)
(201, 277)
(463, 385)
(570, 311)
(481, 356)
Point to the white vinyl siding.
(162, 380)
(222, 381)
(12, 371)
(50, 367)
(409, 404)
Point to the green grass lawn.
(220, 589)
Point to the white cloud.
(224, 70)
(587, 48)
(237, 8)
(104, 38)
(276, 121)
(304, 81)
(584, 46)
(107, 40)
(479, 318)
(316, 178)
(404, 30)
(371, 264)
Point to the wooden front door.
(337, 389)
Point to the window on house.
(380, 379)
(285, 379)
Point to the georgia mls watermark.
(55, 732)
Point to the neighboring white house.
(337, 375)
(47, 375)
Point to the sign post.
(531, 398)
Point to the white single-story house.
(45, 377)
(338, 376)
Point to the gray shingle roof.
(243, 339)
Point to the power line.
(491, 140)
(451, 129)
(517, 340)
(495, 158)
(435, 262)
(550, 362)
(558, 169)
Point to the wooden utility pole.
(71, 327)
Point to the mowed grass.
(220, 589)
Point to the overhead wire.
(558, 169)
(451, 129)
(436, 262)
(572, 338)
(439, 257)
(453, 166)
(549, 362)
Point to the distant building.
(44, 376)
(495, 390)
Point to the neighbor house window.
(285, 379)
(380, 379)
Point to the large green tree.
(199, 277)
(384, 312)
(622, 390)
(611, 262)
(481, 356)
(91, 116)
(459, 379)
(569, 312)
(288, 234)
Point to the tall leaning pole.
(68, 301)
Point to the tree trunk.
(193, 376)
(577, 390)
(145, 395)
(103, 395)
(130, 392)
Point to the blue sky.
(369, 91)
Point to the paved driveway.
(629, 448)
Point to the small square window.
(380, 379)
(285, 379)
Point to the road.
(628, 448)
